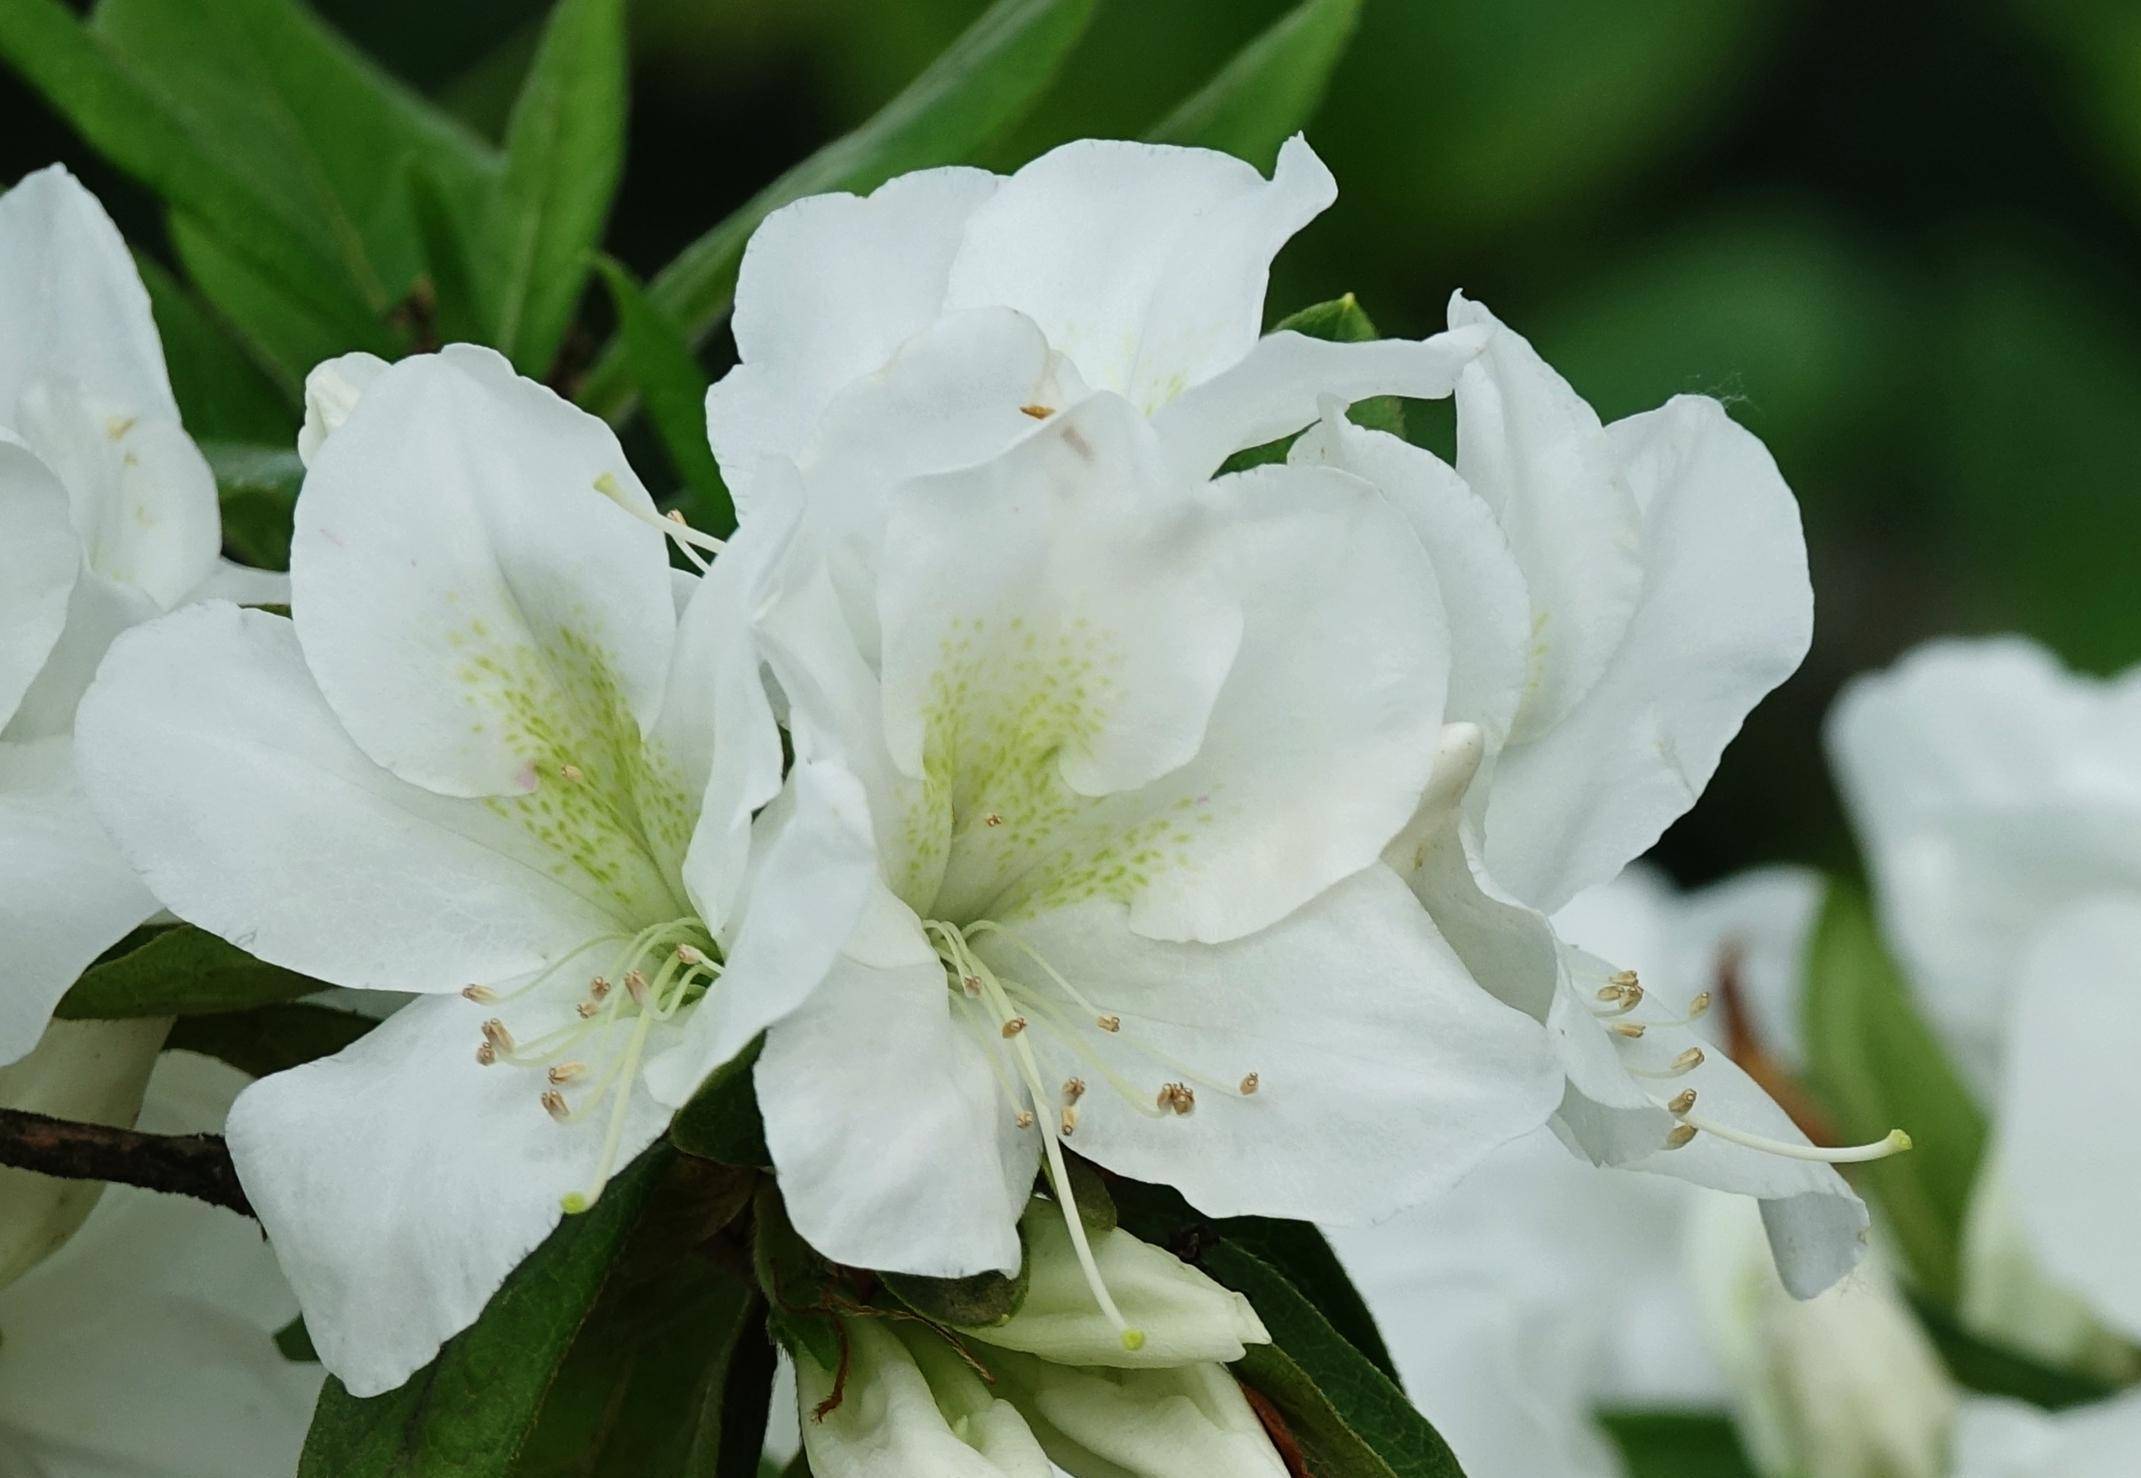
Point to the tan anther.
(482, 995)
(1698, 1006)
(1070, 1122)
(571, 773)
(1038, 412)
(1610, 992)
(1110, 1023)
(587, 1010)
(676, 515)
(1178, 1096)
(971, 983)
(495, 1033)
(994, 818)
(689, 955)
(486, 1054)
(1073, 1090)
(1629, 1029)
(1683, 1102)
(1680, 1136)
(1623, 978)
(554, 1105)
(598, 987)
(1023, 1119)
(566, 1072)
(1688, 1061)
(1014, 1026)
(635, 984)
(1250, 1084)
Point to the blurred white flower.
(107, 516)
(145, 1347)
(502, 756)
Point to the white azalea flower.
(1059, 1387)
(942, 318)
(492, 763)
(1998, 798)
(1618, 597)
(145, 1347)
(107, 516)
(1132, 743)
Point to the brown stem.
(196, 1165)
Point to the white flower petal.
(476, 598)
(72, 307)
(1990, 788)
(893, 1142)
(1143, 1423)
(245, 586)
(66, 895)
(1145, 265)
(1483, 590)
(1283, 383)
(1531, 447)
(98, 610)
(892, 1419)
(400, 1182)
(829, 288)
(39, 561)
(216, 764)
(2074, 1037)
(1383, 1071)
(332, 391)
(1725, 615)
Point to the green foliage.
(224, 390)
(1875, 1066)
(981, 1301)
(1271, 88)
(564, 153)
(268, 1039)
(1992, 1369)
(180, 971)
(1678, 1444)
(797, 1283)
(981, 81)
(722, 1122)
(672, 390)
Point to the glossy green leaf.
(722, 1122)
(1875, 1066)
(1271, 88)
(469, 1413)
(1350, 1419)
(1678, 1444)
(180, 971)
(225, 390)
(285, 327)
(1342, 321)
(672, 391)
(270, 1039)
(564, 153)
(1993, 1369)
(981, 82)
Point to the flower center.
(1615, 1003)
(1004, 1013)
(595, 1056)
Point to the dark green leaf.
(1089, 1187)
(722, 1122)
(469, 1412)
(672, 388)
(1341, 321)
(564, 152)
(1350, 1419)
(295, 1342)
(982, 81)
(1678, 1444)
(180, 971)
(1875, 1066)
(269, 1039)
(1995, 1370)
(454, 303)
(258, 488)
(646, 1387)
(981, 1301)
(796, 1281)
(284, 327)
(224, 391)
(1272, 87)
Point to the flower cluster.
(1095, 747)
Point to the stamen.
(482, 995)
(972, 983)
(1682, 1102)
(1038, 412)
(1895, 1142)
(587, 1010)
(992, 819)
(1679, 1136)
(1250, 1084)
(1698, 1007)
(554, 1105)
(636, 985)
(571, 773)
(1073, 1090)
(1178, 1096)
(1109, 1023)
(1629, 1029)
(496, 1035)
(1023, 1119)
(1014, 1026)
(567, 1072)
(1680, 1067)
(486, 1054)
(1623, 979)
(688, 955)
(598, 987)
(1070, 1122)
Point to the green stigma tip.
(1899, 1139)
(574, 1203)
(1133, 1339)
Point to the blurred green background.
(1900, 238)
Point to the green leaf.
(180, 971)
(672, 388)
(981, 82)
(796, 1281)
(119, 104)
(294, 1340)
(1341, 321)
(1995, 1370)
(1350, 1419)
(224, 390)
(258, 489)
(285, 327)
(469, 1412)
(564, 151)
(722, 1122)
(1678, 1444)
(1271, 88)
(979, 1301)
(454, 301)
(1875, 1066)
(669, 1376)
(270, 1039)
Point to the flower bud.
(332, 391)
(88, 1070)
(1138, 1423)
(1845, 1384)
(1183, 1315)
(909, 1407)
